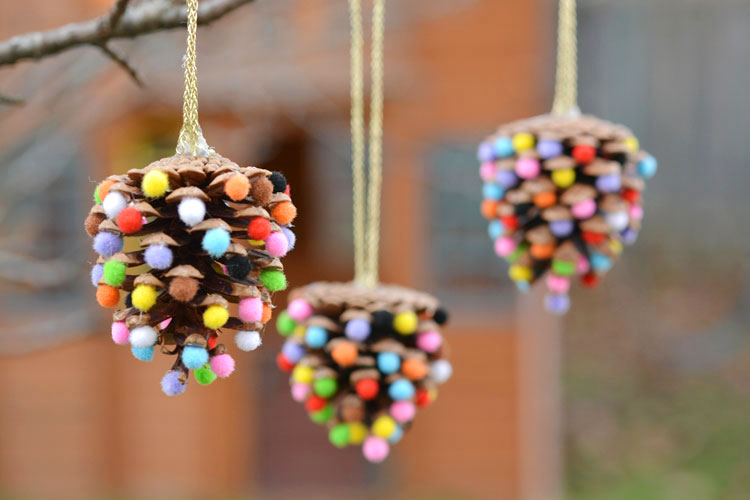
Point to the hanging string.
(367, 219)
(191, 140)
(566, 79)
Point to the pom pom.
(322, 416)
(401, 390)
(191, 211)
(285, 324)
(367, 388)
(583, 154)
(170, 383)
(647, 167)
(277, 244)
(284, 213)
(339, 435)
(250, 309)
(388, 362)
(113, 204)
(158, 256)
(279, 182)
(215, 316)
(375, 449)
(107, 296)
(293, 351)
(193, 357)
(114, 272)
(273, 279)
(102, 190)
(528, 167)
(143, 336)
(223, 364)
(143, 353)
(261, 190)
(299, 310)
(120, 333)
(316, 337)
(155, 184)
(96, 274)
(564, 177)
(290, 237)
(441, 370)
(345, 354)
(357, 432)
(284, 364)
(414, 369)
(259, 229)
(382, 322)
(247, 340)
(557, 284)
(216, 242)
(523, 141)
(405, 322)
(107, 244)
(557, 303)
(183, 289)
(91, 224)
(398, 433)
(384, 426)
(315, 403)
(403, 411)
(204, 375)
(239, 267)
(144, 297)
(237, 187)
(429, 341)
(357, 329)
(130, 220)
(303, 374)
(300, 392)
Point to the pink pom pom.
(582, 266)
(222, 365)
(403, 411)
(277, 245)
(299, 310)
(429, 341)
(375, 449)
(558, 284)
(300, 392)
(527, 167)
(583, 209)
(251, 309)
(504, 246)
(635, 212)
(120, 333)
(487, 171)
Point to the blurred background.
(641, 392)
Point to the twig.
(142, 19)
(122, 62)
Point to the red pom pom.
(259, 229)
(423, 397)
(590, 280)
(283, 363)
(593, 238)
(315, 403)
(130, 220)
(583, 154)
(211, 342)
(510, 222)
(367, 388)
(631, 195)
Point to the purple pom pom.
(290, 236)
(171, 385)
(358, 329)
(293, 351)
(107, 244)
(629, 236)
(96, 274)
(158, 256)
(557, 303)
(485, 152)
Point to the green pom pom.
(563, 268)
(114, 272)
(273, 280)
(204, 375)
(517, 253)
(339, 435)
(285, 324)
(96, 195)
(325, 387)
(322, 416)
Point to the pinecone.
(184, 238)
(362, 361)
(562, 194)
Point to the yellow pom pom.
(632, 144)
(405, 322)
(215, 316)
(520, 273)
(299, 331)
(523, 141)
(144, 297)
(615, 246)
(357, 432)
(155, 184)
(302, 374)
(433, 393)
(384, 426)
(564, 177)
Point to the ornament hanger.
(566, 79)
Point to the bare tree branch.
(119, 22)
(122, 62)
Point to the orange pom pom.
(104, 188)
(489, 209)
(414, 369)
(107, 296)
(267, 314)
(545, 200)
(237, 187)
(284, 212)
(541, 252)
(345, 354)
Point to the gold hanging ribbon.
(366, 199)
(566, 79)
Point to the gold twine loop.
(566, 79)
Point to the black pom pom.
(239, 267)
(279, 182)
(440, 316)
(382, 322)
(129, 300)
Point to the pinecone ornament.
(195, 245)
(363, 360)
(562, 195)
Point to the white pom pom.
(248, 341)
(192, 211)
(143, 336)
(441, 370)
(618, 220)
(113, 204)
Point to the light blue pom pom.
(143, 353)
(647, 167)
(495, 229)
(600, 262)
(492, 191)
(194, 357)
(216, 241)
(400, 390)
(503, 147)
(316, 337)
(388, 362)
(523, 286)
(398, 433)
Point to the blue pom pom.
(647, 167)
(143, 353)
(492, 191)
(290, 236)
(96, 274)
(523, 286)
(158, 256)
(216, 241)
(398, 433)
(401, 389)
(194, 357)
(316, 337)
(171, 385)
(495, 229)
(388, 362)
(358, 329)
(600, 262)
(107, 244)
(503, 147)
